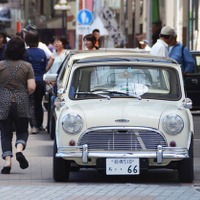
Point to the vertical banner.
(89, 5)
(18, 26)
(80, 37)
(108, 18)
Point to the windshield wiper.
(117, 92)
(94, 93)
(124, 93)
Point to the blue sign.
(85, 17)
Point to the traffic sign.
(85, 17)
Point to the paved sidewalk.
(101, 192)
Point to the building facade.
(123, 23)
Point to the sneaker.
(34, 130)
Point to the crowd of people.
(24, 59)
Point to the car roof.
(81, 56)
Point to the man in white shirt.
(161, 47)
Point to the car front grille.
(122, 140)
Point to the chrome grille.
(129, 139)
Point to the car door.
(192, 82)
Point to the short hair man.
(161, 47)
(96, 33)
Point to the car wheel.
(61, 167)
(48, 118)
(186, 167)
(52, 127)
(49, 109)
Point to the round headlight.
(173, 124)
(72, 123)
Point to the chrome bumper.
(160, 154)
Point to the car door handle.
(194, 81)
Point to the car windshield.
(125, 82)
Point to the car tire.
(49, 109)
(48, 118)
(61, 167)
(186, 167)
(52, 126)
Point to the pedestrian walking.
(59, 54)
(3, 41)
(41, 45)
(16, 83)
(182, 55)
(161, 47)
(37, 58)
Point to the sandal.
(6, 170)
(23, 163)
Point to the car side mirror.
(50, 77)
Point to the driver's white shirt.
(160, 48)
(44, 47)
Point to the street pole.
(63, 22)
(66, 21)
(62, 6)
(149, 22)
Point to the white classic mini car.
(122, 112)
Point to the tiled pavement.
(36, 182)
(101, 192)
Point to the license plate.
(122, 166)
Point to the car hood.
(144, 113)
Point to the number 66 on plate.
(122, 166)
